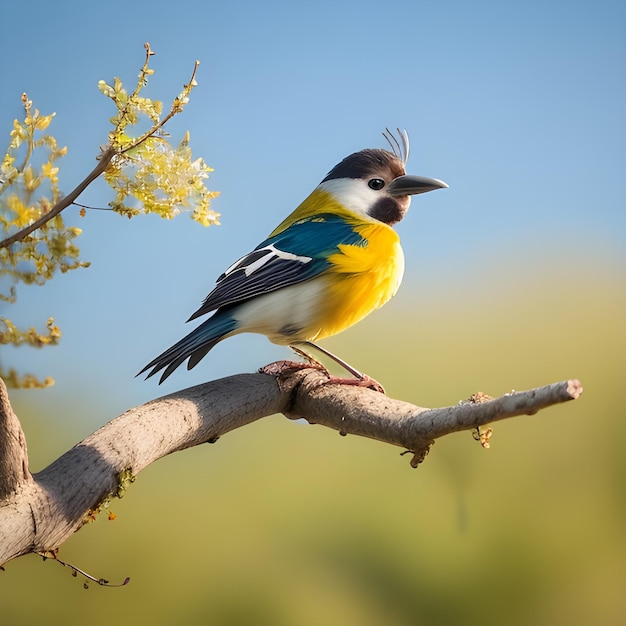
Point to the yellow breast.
(361, 279)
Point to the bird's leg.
(330, 355)
(309, 359)
(285, 367)
(360, 379)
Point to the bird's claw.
(285, 368)
(363, 381)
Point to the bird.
(326, 266)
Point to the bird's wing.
(298, 253)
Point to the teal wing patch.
(296, 254)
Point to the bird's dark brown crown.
(367, 163)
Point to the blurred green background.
(515, 278)
(284, 523)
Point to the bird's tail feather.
(193, 346)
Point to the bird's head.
(374, 182)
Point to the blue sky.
(519, 107)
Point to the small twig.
(104, 160)
(176, 108)
(30, 146)
(52, 554)
(92, 208)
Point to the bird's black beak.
(410, 185)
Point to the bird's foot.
(362, 380)
(359, 379)
(284, 368)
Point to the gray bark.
(39, 512)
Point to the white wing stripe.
(271, 253)
(275, 252)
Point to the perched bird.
(325, 267)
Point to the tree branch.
(13, 455)
(359, 411)
(47, 508)
(103, 161)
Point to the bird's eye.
(376, 184)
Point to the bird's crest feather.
(399, 145)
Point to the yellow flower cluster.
(146, 173)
